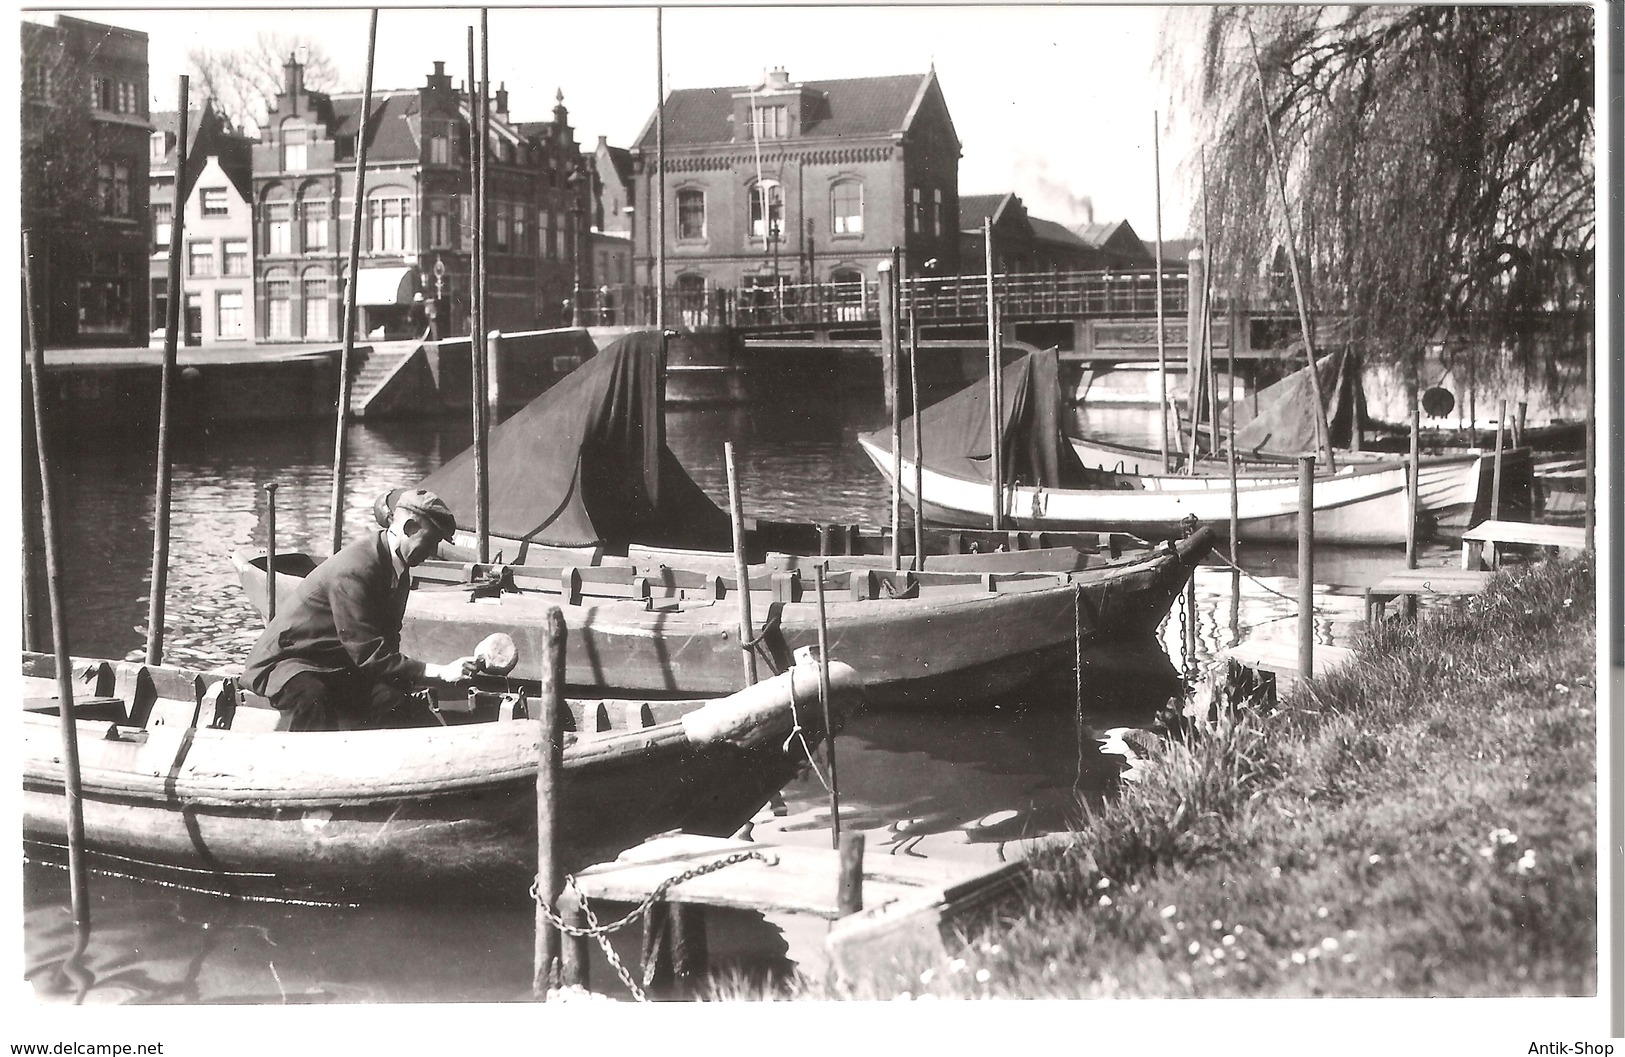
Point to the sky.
(1055, 103)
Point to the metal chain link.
(602, 932)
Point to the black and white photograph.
(710, 506)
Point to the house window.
(163, 223)
(936, 213)
(315, 224)
(214, 202)
(200, 258)
(39, 82)
(317, 324)
(235, 257)
(279, 227)
(766, 200)
(552, 236)
(228, 314)
(846, 208)
(916, 210)
(502, 221)
(439, 143)
(772, 122)
(113, 188)
(521, 231)
(104, 305)
(278, 307)
(158, 147)
(440, 225)
(389, 225)
(293, 147)
(691, 214)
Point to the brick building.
(797, 181)
(1025, 243)
(217, 273)
(416, 244)
(84, 176)
(611, 235)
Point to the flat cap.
(431, 509)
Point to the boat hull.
(942, 649)
(443, 813)
(1454, 491)
(1360, 507)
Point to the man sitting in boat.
(332, 659)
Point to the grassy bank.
(1423, 824)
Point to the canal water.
(968, 788)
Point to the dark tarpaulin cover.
(1033, 444)
(1286, 410)
(586, 464)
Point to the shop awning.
(386, 286)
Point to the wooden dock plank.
(799, 880)
(1280, 656)
(1481, 544)
(1422, 583)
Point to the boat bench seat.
(100, 709)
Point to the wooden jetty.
(1481, 545)
(896, 910)
(1279, 657)
(1419, 584)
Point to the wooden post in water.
(476, 307)
(660, 170)
(891, 348)
(829, 725)
(919, 455)
(1413, 501)
(340, 452)
(166, 386)
(1519, 422)
(549, 783)
(270, 551)
(849, 894)
(747, 627)
(995, 410)
(1591, 444)
(36, 599)
(72, 792)
(1500, 444)
(1162, 344)
(1306, 566)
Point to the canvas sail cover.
(1285, 422)
(586, 464)
(1033, 444)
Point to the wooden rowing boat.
(938, 640)
(1047, 487)
(186, 782)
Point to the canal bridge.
(1095, 318)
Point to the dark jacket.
(346, 617)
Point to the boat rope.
(601, 933)
(797, 734)
(1257, 581)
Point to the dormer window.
(771, 122)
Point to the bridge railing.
(1051, 295)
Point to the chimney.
(778, 78)
(438, 80)
(293, 80)
(603, 141)
(502, 101)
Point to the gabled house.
(217, 214)
(1115, 245)
(1015, 243)
(416, 245)
(794, 181)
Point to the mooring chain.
(601, 932)
(1256, 580)
(1187, 662)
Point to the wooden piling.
(72, 790)
(166, 387)
(1591, 443)
(1162, 342)
(1519, 423)
(829, 724)
(894, 346)
(919, 455)
(270, 551)
(995, 413)
(347, 355)
(1413, 503)
(1500, 445)
(747, 627)
(476, 359)
(549, 779)
(849, 894)
(660, 170)
(1306, 566)
(575, 951)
